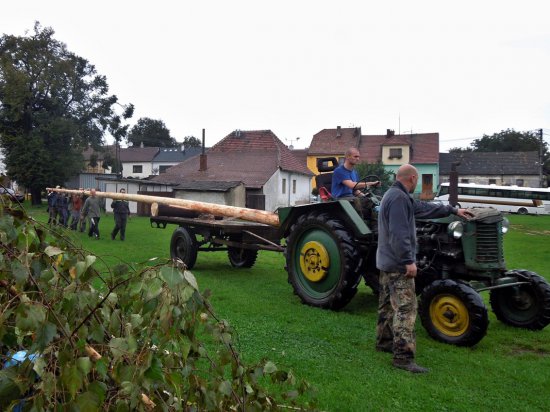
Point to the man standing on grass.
(121, 211)
(396, 259)
(92, 209)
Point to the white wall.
(147, 169)
(131, 188)
(273, 190)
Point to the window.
(294, 186)
(464, 181)
(519, 182)
(492, 181)
(137, 169)
(396, 153)
(284, 186)
(162, 169)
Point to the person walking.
(396, 259)
(121, 211)
(52, 207)
(75, 207)
(92, 209)
(82, 226)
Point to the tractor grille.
(488, 243)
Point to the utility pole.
(540, 158)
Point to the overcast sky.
(462, 68)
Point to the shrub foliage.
(133, 338)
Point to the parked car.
(14, 196)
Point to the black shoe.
(387, 349)
(409, 365)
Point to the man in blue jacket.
(396, 259)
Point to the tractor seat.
(324, 194)
(323, 180)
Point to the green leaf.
(84, 364)
(29, 317)
(52, 251)
(20, 272)
(153, 289)
(118, 347)
(71, 378)
(45, 334)
(190, 278)
(269, 368)
(154, 372)
(225, 388)
(172, 276)
(88, 402)
(101, 366)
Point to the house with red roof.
(256, 160)
(419, 149)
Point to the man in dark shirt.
(121, 211)
(396, 259)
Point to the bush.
(135, 338)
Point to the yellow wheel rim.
(449, 315)
(314, 261)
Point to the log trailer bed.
(241, 239)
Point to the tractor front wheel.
(322, 261)
(184, 246)
(453, 312)
(524, 306)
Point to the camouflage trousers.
(397, 309)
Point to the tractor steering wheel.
(366, 189)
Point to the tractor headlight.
(505, 225)
(455, 229)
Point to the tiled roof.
(491, 163)
(138, 154)
(425, 146)
(331, 141)
(248, 156)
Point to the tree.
(150, 133)
(191, 141)
(129, 338)
(376, 169)
(53, 104)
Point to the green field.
(509, 370)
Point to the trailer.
(241, 239)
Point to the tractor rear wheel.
(322, 261)
(183, 246)
(452, 312)
(524, 306)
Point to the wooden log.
(251, 215)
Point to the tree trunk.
(36, 196)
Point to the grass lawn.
(509, 370)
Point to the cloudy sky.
(462, 69)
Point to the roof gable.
(248, 156)
(332, 141)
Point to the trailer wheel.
(453, 312)
(183, 246)
(241, 258)
(524, 306)
(322, 261)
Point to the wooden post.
(251, 215)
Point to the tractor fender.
(339, 209)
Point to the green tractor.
(331, 246)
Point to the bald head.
(408, 176)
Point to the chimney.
(338, 131)
(202, 158)
(390, 133)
